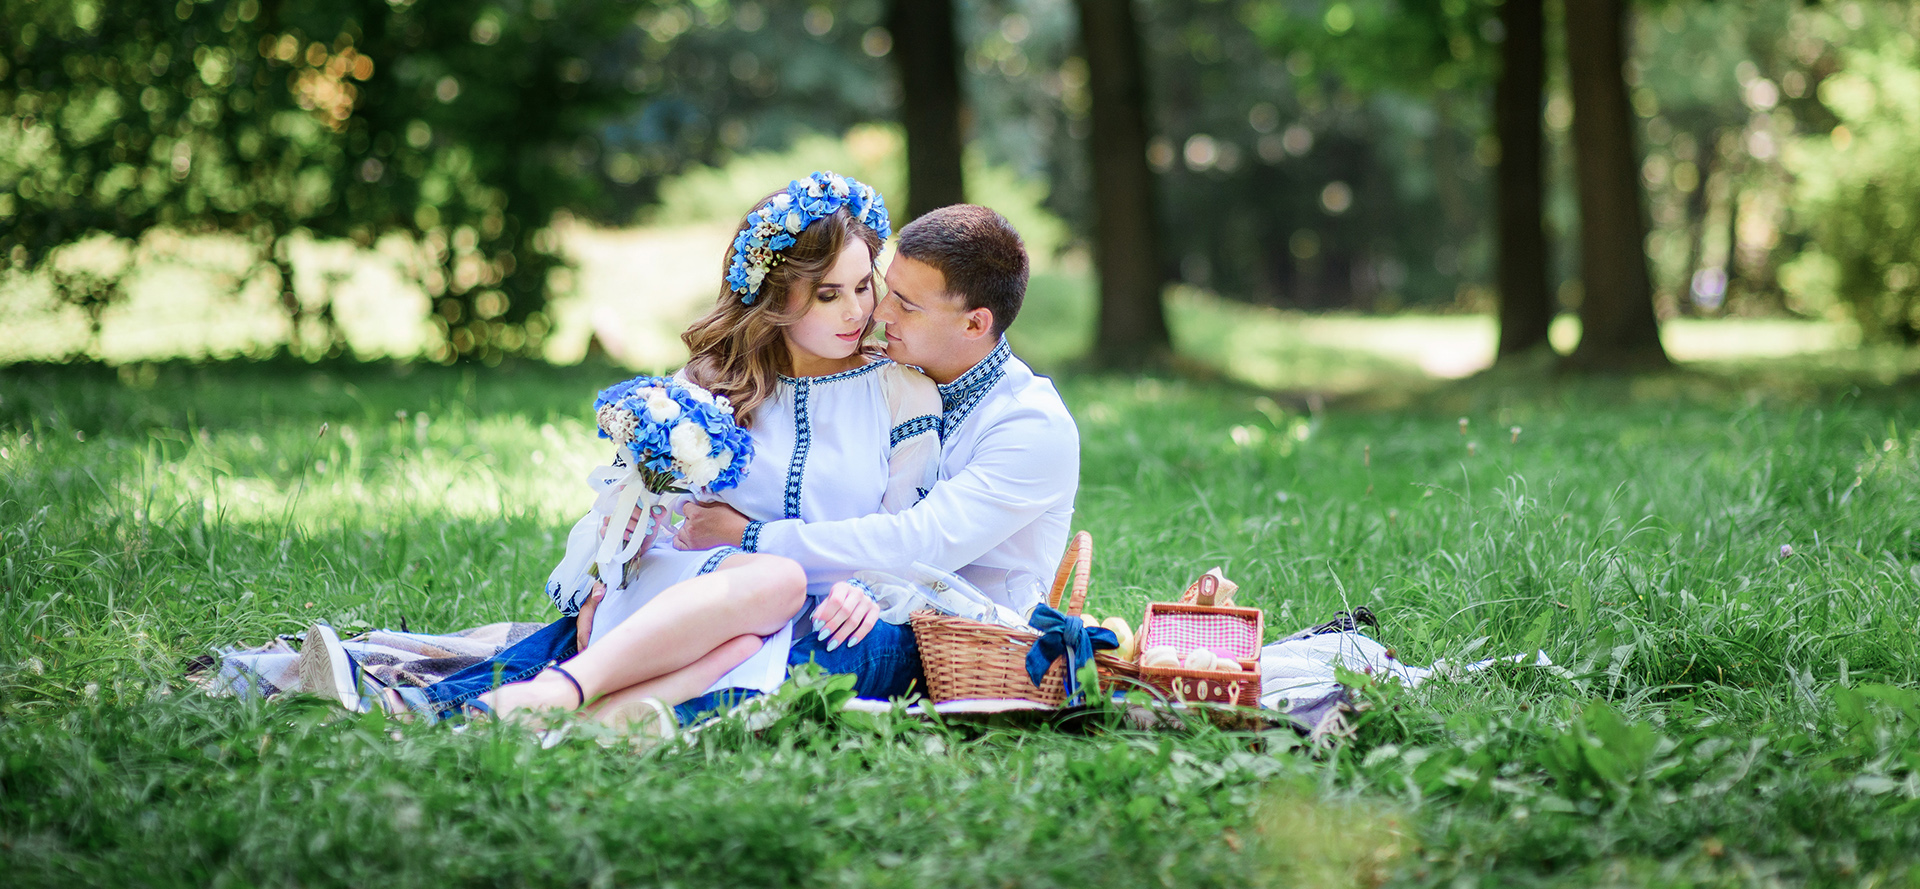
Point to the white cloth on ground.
(1298, 673)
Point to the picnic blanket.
(394, 657)
(1298, 674)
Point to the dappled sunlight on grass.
(152, 516)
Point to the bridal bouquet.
(674, 437)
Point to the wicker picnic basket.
(971, 660)
(1205, 617)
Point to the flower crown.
(773, 226)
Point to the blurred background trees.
(1314, 155)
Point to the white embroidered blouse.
(824, 448)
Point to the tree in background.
(1388, 114)
(1520, 238)
(928, 62)
(1132, 328)
(353, 119)
(1617, 324)
(1859, 183)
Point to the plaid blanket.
(395, 658)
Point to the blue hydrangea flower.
(641, 415)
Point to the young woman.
(839, 432)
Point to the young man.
(998, 514)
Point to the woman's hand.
(583, 622)
(846, 615)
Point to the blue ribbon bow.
(1061, 634)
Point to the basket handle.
(1075, 565)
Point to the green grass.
(1721, 714)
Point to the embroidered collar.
(960, 397)
(835, 378)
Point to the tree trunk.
(927, 56)
(1526, 306)
(1618, 328)
(1133, 323)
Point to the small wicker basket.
(970, 660)
(1177, 624)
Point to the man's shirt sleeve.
(1023, 466)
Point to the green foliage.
(346, 119)
(1719, 709)
(1859, 186)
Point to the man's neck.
(964, 359)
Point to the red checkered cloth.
(1222, 634)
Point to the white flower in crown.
(661, 407)
(786, 215)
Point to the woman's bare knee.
(776, 583)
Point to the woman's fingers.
(870, 615)
(831, 616)
(855, 616)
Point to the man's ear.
(979, 323)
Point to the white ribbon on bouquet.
(623, 491)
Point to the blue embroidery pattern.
(913, 427)
(720, 554)
(835, 378)
(802, 443)
(803, 428)
(750, 538)
(960, 397)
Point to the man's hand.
(709, 525)
(846, 615)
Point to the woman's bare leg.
(626, 708)
(750, 594)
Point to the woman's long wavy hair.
(737, 349)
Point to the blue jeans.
(886, 664)
(517, 662)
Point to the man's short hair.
(978, 252)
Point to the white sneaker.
(328, 671)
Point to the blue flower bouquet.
(673, 438)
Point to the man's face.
(926, 327)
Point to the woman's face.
(842, 310)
